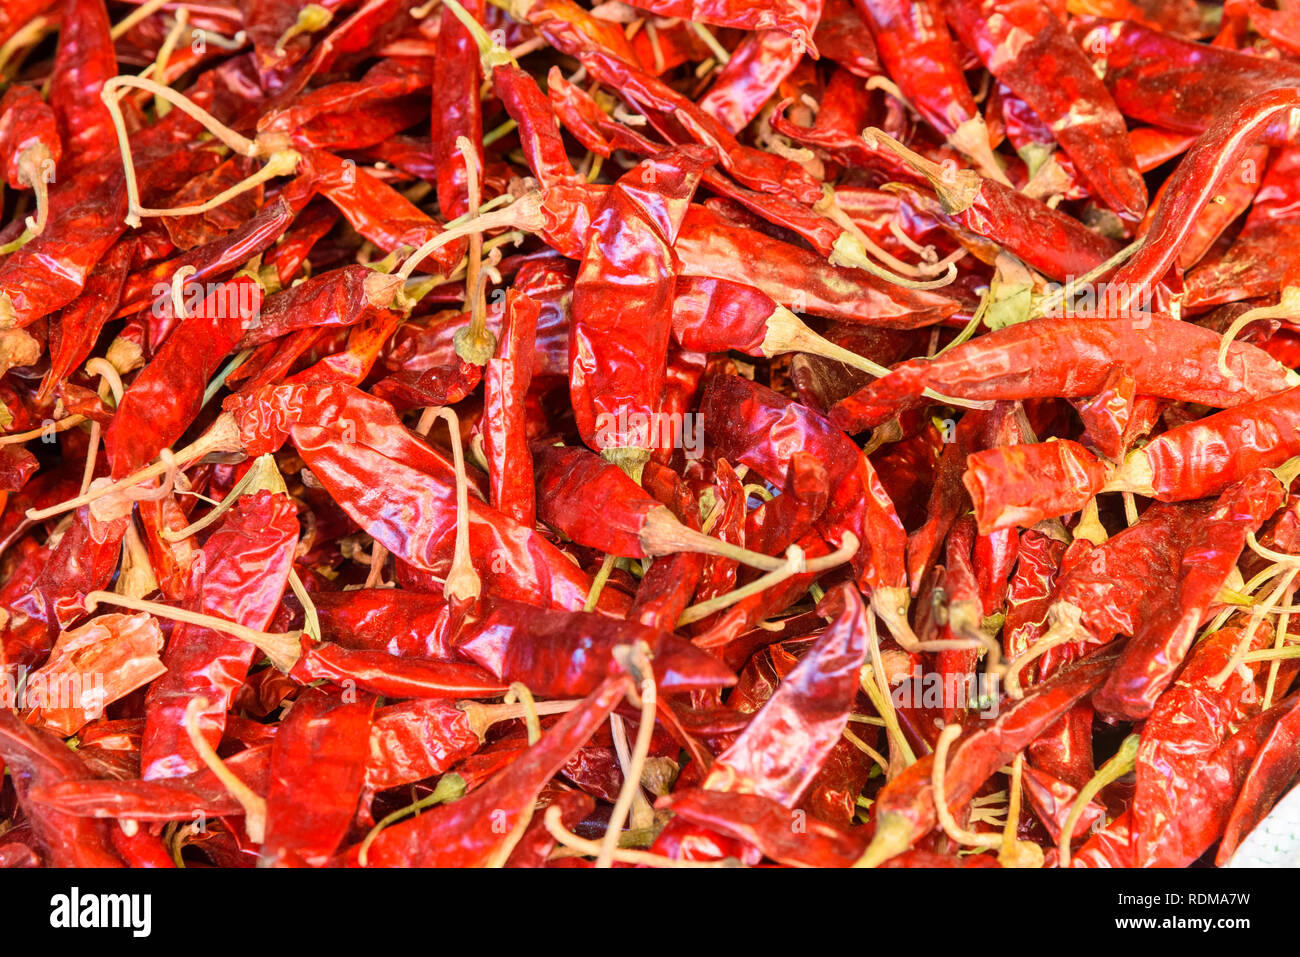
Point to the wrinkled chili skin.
(909, 800)
(1073, 357)
(1187, 725)
(566, 654)
(259, 533)
(36, 759)
(1050, 73)
(1149, 662)
(622, 298)
(424, 840)
(914, 46)
(591, 501)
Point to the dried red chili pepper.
(318, 766)
(1051, 74)
(489, 822)
(567, 653)
(905, 809)
(260, 531)
(628, 273)
(37, 759)
(1066, 357)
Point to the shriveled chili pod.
(567, 653)
(628, 270)
(1028, 48)
(1068, 357)
(1024, 484)
(489, 822)
(259, 531)
(598, 505)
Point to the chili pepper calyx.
(893, 836)
(1135, 474)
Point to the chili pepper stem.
(450, 787)
(874, 682)
(566, 838)
(1015, 852)
(663, 534)
(1287, 308)
(1135, 475)
(462, 583)
(1248, 633)
(1066, 625)
(890, 604)
(280, 163)
(1050, 303)
(223, 436)
(598, 583)
(108, 94)
(630, 459)
(636, 661)
(795, 564)
(33, 166)
(491, 55)
(956, 189)
(847, 250)
(956, 832)
(62, 425)
(254, 804)
(892, 837)
(525, 213)
(972, 139)
(311, 19)
(483, 716)
(1114, 769)
(284, 649)
(264, 474)
(311, 618)
(786, 332)
(829, 208)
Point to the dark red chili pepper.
(38, 759)
(622, 301)
(567, 653)
(505, 438)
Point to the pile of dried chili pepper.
(541, 434)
